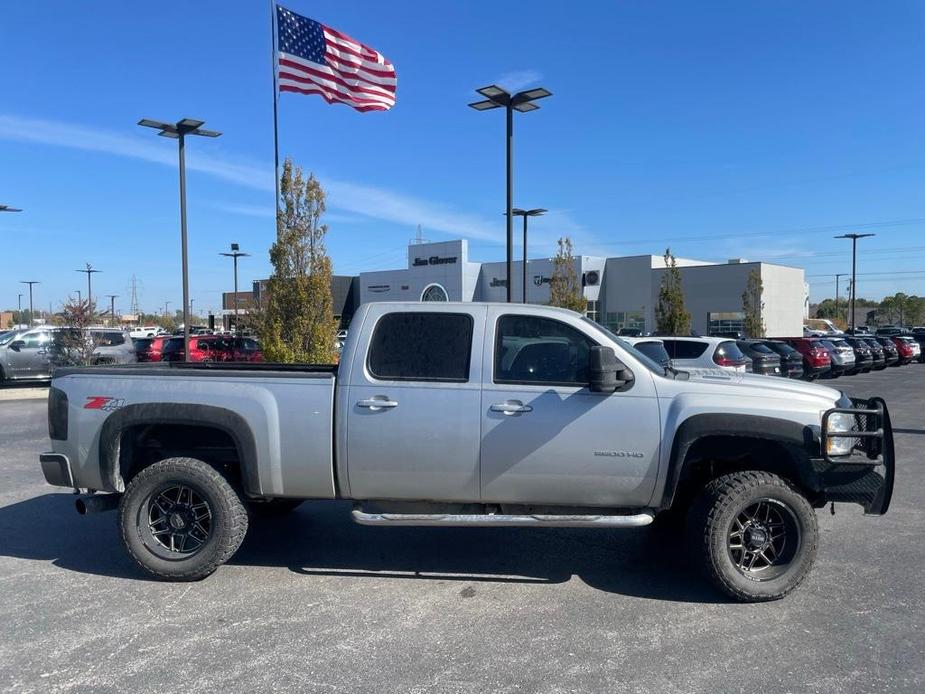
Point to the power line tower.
(134, 304)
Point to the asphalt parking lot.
(313, 602)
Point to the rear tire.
(181, 519)
(754, 535)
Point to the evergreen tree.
(671, 318)
(564, 286)
(296, 321)
(753, 305)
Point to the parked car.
(534, 416)
(112, 347)
(147, 331)
(816, 360)
(150, 348)
(891, 330)
(202, 349)
(877, 352)
(791, 361)
(704, 354)
(842, 356)
(242, 349)
(764, 360)
(918, 334)
(890, 353)
(652, 347)
(863, 356)
(24, 355)
(907, 348)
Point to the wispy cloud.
(357, 198)
(516, 80)
(266, 212)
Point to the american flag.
(316, 59)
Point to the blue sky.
(722, 129)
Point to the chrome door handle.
(376, 403)
(511, 407)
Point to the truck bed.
(281, 417)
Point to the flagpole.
(273, 62)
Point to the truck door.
(546, 438)
(413, 405)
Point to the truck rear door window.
(421, 347)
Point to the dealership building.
(620, 292)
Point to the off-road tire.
(273, 508)
(711, 521)
(228, 519)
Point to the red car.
(816, 360)
(150, 348)
(214, 348)
(906, 352)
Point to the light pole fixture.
(178, 131)
(31, 312)
(79, 296)
(235, 254)
(191, 308)
(166, 304)
(7, 208)
(112, 308)
(496, 97)
(854, 266)
(89, 271)
(517, 212)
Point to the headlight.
(840, 445)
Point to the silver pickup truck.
(471, 414)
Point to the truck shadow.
(320, 539)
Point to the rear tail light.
(721, 360)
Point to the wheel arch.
(168, 414)
(707, 445)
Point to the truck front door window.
(536, 351)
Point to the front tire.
(754, 534)
(181, 519)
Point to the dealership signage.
(435, 260)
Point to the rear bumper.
(57, 469)
(866, 476)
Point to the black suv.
(863, 356)
(890, 353)
(791, 361)
(879, 356)
(764, 360)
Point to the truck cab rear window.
(421, 347)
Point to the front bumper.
(865, 476)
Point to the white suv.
(703, 355)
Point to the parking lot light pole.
(178, 131)
(854, 266)
(496, 97)
(838, 275)
(527, 213)
(235, 254)
(112, 308)
(31, 313)
(89, 272)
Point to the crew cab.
(476, 415)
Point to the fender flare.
(219, 418)
(801, 440)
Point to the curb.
(23, 393)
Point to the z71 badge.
(98, 402)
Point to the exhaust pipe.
(96, 503)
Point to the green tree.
(296, 322)
(564, 287)
(753, 305)
(671, 318)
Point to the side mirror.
(17, 345)
(607, 373)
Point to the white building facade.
(621, 292)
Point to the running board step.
(494, 520)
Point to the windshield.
(6, 338)
(647, 362)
